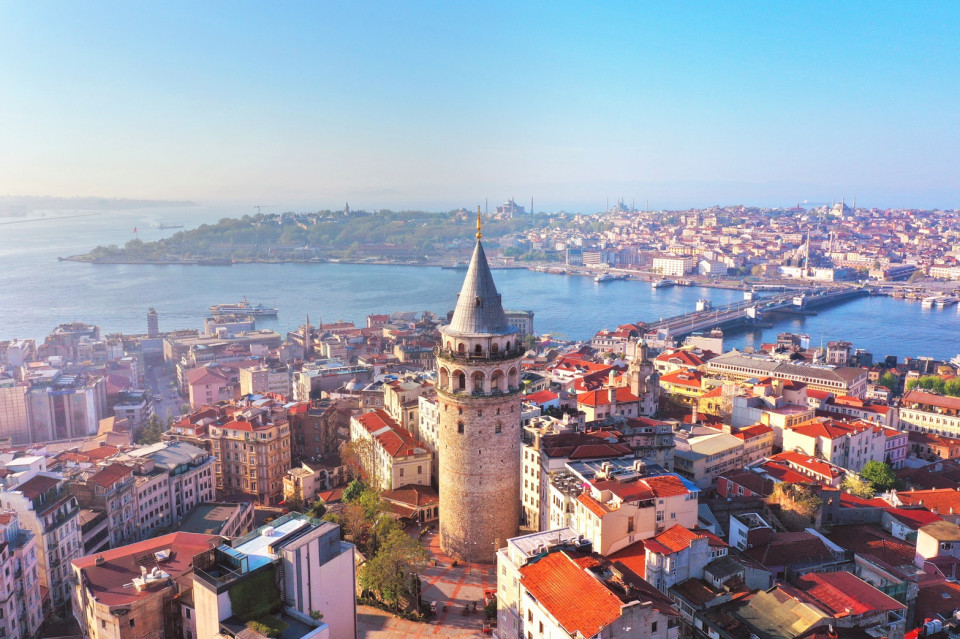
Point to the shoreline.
(551, 268)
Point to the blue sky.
(437, 105)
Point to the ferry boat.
(605, 277)
(457, 266)
(663, 283)
(243, 307)
(163, 227)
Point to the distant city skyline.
(433, 106)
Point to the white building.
(673, 265)
(396, 459)
(544, 591)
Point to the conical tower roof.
(479, 310)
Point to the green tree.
(149, 432)
(295, 501)
(879, 474)
(856, 485)
(390, 572)
(317, 510)
(889, 380)
(354, 490)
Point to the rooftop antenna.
(486, 207)
(479, 234)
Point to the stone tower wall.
(480, 468)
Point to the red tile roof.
(394, 439)
(844, 595)
(111, 475)
(751, 432)
(913, 518)
(672, 540)
(633, 557)
(579, 602)
(814, 465)
(541, 397)
(931, 399)
(592, 505)
(941, 501)
(36, 486)
(602, 397)
(683, 377)
(110, 582)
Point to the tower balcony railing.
(457, 356)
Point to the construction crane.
(264, 206)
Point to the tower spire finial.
(479, 234)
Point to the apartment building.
(549, 584)
(616, 512)
(253, 455)
(396, 459)
(313, 571)
(702, 459)
(839, 381)
(46, 508)
(261, 380)
(849, 446)
(138, 590)
(112, 490)
(930, 413)
(20, 606)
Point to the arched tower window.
(461, 348)
(477, 350)
(460, 427)
(496, 381)
(498, 428)
(461, 381)
(495, 348)
(512, 378)
(444, 378)
(508, 346)
(478, 379)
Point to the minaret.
(478, 387)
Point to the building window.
(132, 623)
(498, 428)
(653, 627)
(460, 427)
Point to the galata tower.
(478, 387)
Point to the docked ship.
(243, 307)
(456, 266)
(605, 277)
(663, 283)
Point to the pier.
(751, 312)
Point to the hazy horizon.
(436, 106)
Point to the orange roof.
(844, 595)
(672, 540)
(944, 500)
(393, 438)
(111, 475)
(602, 397)
(807, 462)
(683, 378)
(578, 601)
(666, 485)
(592, 504)
(633, 557)
(749, 432)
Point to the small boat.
(605, 277)
(663, 283)
(458, 266)
(243, 307)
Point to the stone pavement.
(455, 587)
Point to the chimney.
(100, 560)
